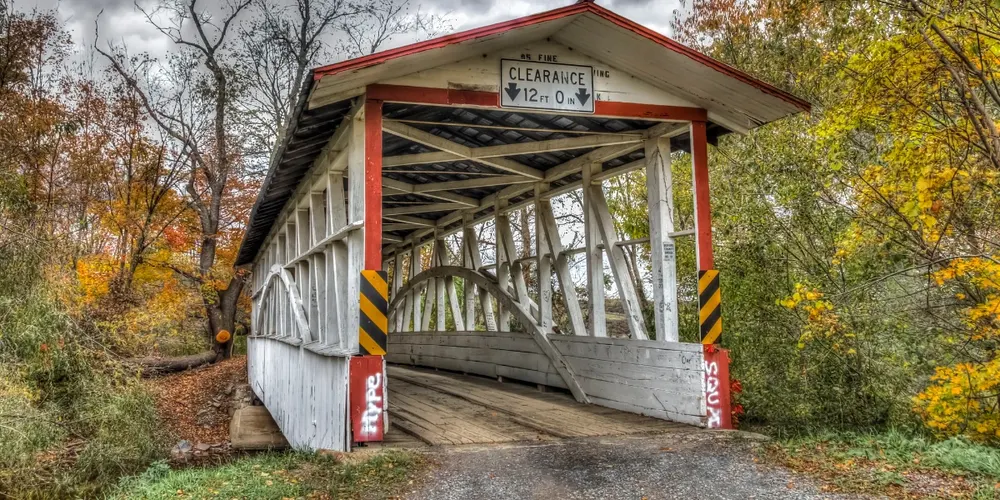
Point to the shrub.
(71, 423)
(124, 431)
(963, 399)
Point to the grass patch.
(279, 475)
(893, 462)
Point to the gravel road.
(695, 465)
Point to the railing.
(280, 315)
(488, 286)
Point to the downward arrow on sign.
(582, 95)
(512, 90)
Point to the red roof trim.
(493, 29)
(699, 57)
(453, 97)
(569, 10)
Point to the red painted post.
(367, 398)
(367, 373)
(373, 184)
(717, 398)
(702, 206)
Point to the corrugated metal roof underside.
(471, 127)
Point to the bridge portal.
(396, 159)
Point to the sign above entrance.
(551, 86)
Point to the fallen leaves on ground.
(194, 404)
(862, 475)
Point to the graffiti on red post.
(717, 397)
(367, 398)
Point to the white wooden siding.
(305, 392)
(658, 379)
(483, 74)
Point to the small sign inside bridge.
(551, 86)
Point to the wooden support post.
(595, 258)
(336, 271)
(439, 298)
(543, 265)
(317, 266)
(397, 283)
(566, 284)
(303, 274)
(503, 262)
(373, 184)
(663, 255)
(357, 241)
(413, 309)
(469, 289)
(475, 262)
(702, 203)
(431, 289)
(626, 289)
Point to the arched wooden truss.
(279, 313)
(489, 287)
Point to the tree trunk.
(151, 367)
(222, 316)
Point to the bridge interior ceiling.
(478, 128)
(466, 126)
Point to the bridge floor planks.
(443, 408)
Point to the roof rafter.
(570, 167)
(464, 152)
(520, 148)
(400, 187)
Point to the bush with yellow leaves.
(963, 400)
(820, 321)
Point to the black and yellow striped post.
(373, 329)
(710, 306)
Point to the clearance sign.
(550, 86)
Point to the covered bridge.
(392, 153)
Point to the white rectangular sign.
(552, 86)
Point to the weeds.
(278, 475)
(71, 423)
(894, 461)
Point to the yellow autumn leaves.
(962, 399)
(820, 322)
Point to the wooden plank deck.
(443, 408)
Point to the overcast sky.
(122, 22)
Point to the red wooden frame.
(373, 184)
(367, 402)
(718, 399)
(702, 204)
(451, 97)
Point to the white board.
(546, 85)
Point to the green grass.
(894, 462)
(901, 449)
(278, 475)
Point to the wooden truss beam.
(502, 180)
(520, 148)
(666, 129)
(431, 140)
(400, 187)
(409, 220)
(421, 209)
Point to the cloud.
(121, 22)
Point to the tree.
(195, 109)
(878, 211)
(280, 46)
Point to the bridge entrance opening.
(413, 254)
